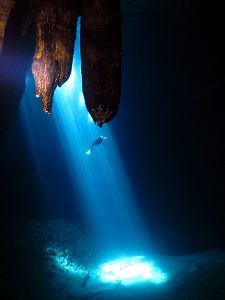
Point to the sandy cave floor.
(51, 259)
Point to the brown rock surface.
(5, 9)
(55, 23)
(101, 58)
(55, 36)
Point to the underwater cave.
(112, 169)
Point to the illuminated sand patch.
(131, 270)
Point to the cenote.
(133, 209)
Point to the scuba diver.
(98, 141)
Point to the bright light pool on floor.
(131, 270)
(124, 270)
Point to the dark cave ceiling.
(41, 33)
(54, 29)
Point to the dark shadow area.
(15, 61)
(171, 124)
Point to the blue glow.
(82, 101)
(90, 120)
(124, 270)
(68, 85)
(101, 187)
(131, 270)
(64, 262)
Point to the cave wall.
(15, 61)
(5, 9)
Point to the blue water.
(98, 184)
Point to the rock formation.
(55, 23)
(55, 36)
(100, 56)
(5, 9)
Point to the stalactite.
(55, 36)
(101, 58)
(55, 23)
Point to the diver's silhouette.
(98, 141)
